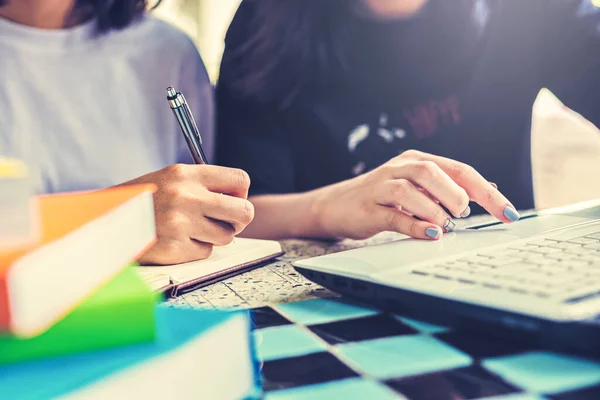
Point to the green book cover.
(118, 314)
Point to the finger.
(436, 182)
(214, 232)
(391, 219)
(401, 192)
(231, 181)
(494, 185)
(478, 188)
(169, 251)
(426, 193)
(233, 210)
(194, 250)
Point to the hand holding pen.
(196, 206)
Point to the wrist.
(286, 216)
(317, 212)
(322, 212)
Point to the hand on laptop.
(196, 207)
(405, 195)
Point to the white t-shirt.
(90, 112)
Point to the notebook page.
(240, 252)
(154, 280)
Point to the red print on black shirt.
(426, 120)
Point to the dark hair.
(279, 49)
(287, 38)
(110, 14)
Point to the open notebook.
(235, 258)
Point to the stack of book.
(78, 321)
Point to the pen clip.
(190, 119)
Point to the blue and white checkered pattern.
(325, 349)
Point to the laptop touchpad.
(536, 225)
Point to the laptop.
(537, 279)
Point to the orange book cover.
(60, 216)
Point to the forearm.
(285, 216)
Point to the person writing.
(354, 117)
(83, 103)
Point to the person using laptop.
(354, 117)
(83, 103)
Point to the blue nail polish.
(432, 233)
(511, 214)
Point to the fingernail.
(433, 233)
(466, 213)
(449, 225)
(511, 214)
(494, 185)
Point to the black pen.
(187, 124)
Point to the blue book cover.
(197, 354)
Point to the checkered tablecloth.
(326, 349)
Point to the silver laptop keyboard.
(541, 267)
